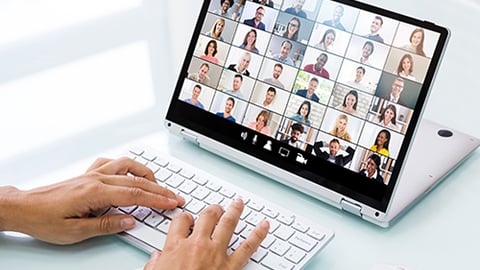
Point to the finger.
(142, 183)
(98, 163)
(179, 229)
(126, 165)
(109, 195)
(243, 253)
(153, 260)
(110, 224)
(207, 220)
(228, 222)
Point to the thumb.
(108, 224)
(153, 260)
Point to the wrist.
(9, 208)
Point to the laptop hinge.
(351, 207)
(189, 137)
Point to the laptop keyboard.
(292, 240)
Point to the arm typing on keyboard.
(61, 214)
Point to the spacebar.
(148, 235)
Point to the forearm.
(9, 208)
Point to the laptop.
(325, 97)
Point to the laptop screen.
(331, 91)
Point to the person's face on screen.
(244, 63)
(277, 71)
(341, 125)
(333, 147)
(228, 106)
(260, 121)
(375, 26)
(388, 115)
(406, 65)
(269, 96)
(211, 48)
(350, 101)
(196, 93)
(367, 50)
(359, 75)
(285, 50)
(329, 39)
(321, 61)
(259, 14)
(219, 27)
(293, 27)
(312, 87)
(304, 110)
(295, 135)
(251, 37)
(338, 13)
(203, 72)
(299, 4)
(371, 167)
(225, 5)
(417, 39)
(381, 139)
(237, 83)
(397, 88)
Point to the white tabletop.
(106, 57)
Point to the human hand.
(59, 213)
(206, 247)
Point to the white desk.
(439, 233)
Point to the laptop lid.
(322, 96)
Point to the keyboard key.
(136, 150)
(300, 227)
(172, 212)
(200, 180)
(174, 168)
(213, 198)
(164, 225)
(286, 219)
(268, 241)
(273, 261)
(270, 213)
(213, 186)
(154, 219)
(175, 181)
(255, 206)
(259, 254)
(280, 248)
(149, 156)
(161, 162)
(162, 175)
(200, 193)
(316, 234)
(241, 225)
(195, 206)
(154, 167)
(187, 187)
(148, 235)
(227, 193)
(295, 255)
(284, 232)
(254, 218)
(302, 241)
(127, 209)
(186, 174)
(141, 213)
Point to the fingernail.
(180, 198)
(239, 200)
(265, 224)
(127, 223)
